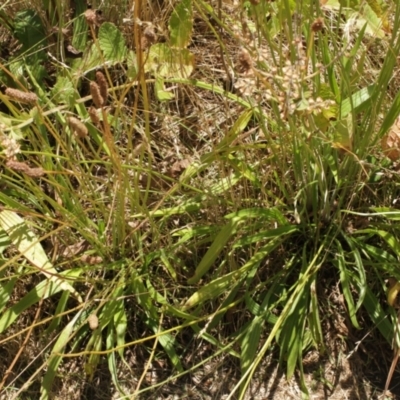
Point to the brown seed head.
(93, 321)
(97, 98)
(245, 61)
(25, 168)
(17, 165)
(317, 25)
(90, 16)
(102, 82)
(35, 172)
(77, 126)
(19, 95)
(150, 34)
(93, 116)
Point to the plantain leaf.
(29, 246)
(44, 289)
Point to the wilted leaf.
(343, 135)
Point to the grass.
(211, 188)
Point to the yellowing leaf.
(29, 246)
(169, 63)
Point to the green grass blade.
(44, 289)
(345, 280)
(56, 359)
(213, 252)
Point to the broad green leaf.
(315, 320)
(389, 238)
(121, 325)
(291, 335)
(30, 31)
(80, 36)
(112, 43)
(63, 91)
(168, 265)
(187, 206)
(4, 241)
(368, 17)
(361, 278)
(387, 212)
(225, 184)
(343, 134)
(168, 62)
(267, 234)
(111, 307)
(181, 24)
(359, 101)
(94, 345)
(5, 292)
(131, 61)
(301, 287)
(29, 246)
(272, 214)
(390, 116)
(61, 305)
(212, 290)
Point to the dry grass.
(115, 235)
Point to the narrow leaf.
(29, 246)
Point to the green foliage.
(181, 24)
(29, 30)
(161, 229)
(167, 62)
(112, 43)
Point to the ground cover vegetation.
(199, 199)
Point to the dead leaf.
(391, 142)
(178, 167)
(71, 52)
(74, 249)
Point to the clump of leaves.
(275, 203)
